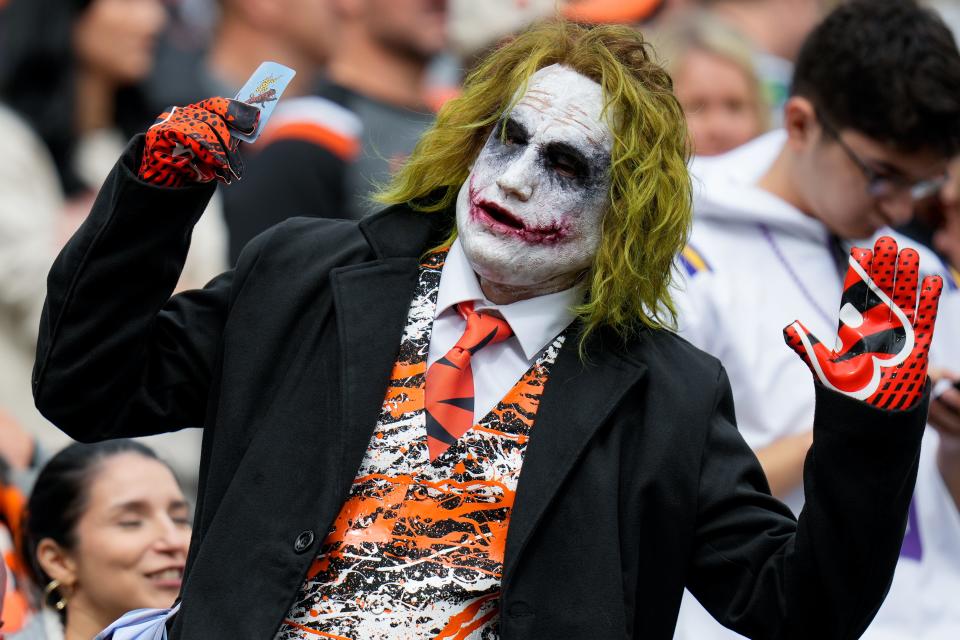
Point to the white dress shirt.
(496, 367)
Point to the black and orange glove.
(193, 143)
(885, 332)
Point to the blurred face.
(792, 21)
(529, 214)
(721, 104)
(414, 28)
(115, 38)
(836, 187)
(131, 541)
(309, 25)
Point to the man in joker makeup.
(464, 417)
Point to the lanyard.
(768, 236)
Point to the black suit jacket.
(635, 483)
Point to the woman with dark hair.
(69, 101)
(70, 69)
(106, 531)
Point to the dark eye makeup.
(566, 160)
(514, 133)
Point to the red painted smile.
(502, 221)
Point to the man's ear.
(800, 122)
(56, 562)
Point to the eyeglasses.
(880, 186)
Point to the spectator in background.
(14, 606)
(476, 27)
(872, 122)
(323, 155)
(296, 33)
(775, 29)
(106, 531)
(70, 99)
(936, 220)
(715, 81)
(946, 237)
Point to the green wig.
(650, 211)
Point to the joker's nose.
(517, 179)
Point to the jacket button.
(519, 610)
(303, 542)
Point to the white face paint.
(529, 214)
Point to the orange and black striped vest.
(417, 549)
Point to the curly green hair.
(650, 211)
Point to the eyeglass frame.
(879, 186)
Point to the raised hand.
(884, 336)
(193, 143)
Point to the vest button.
(303, 541)
(519, 610)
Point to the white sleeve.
(30, 205)
(697, 316)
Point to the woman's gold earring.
(52, 586)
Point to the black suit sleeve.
(116, 355)
(285, 179)
(767, 577)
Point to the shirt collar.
(535, 321)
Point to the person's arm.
(764, 575)
(116, 355)
(945, 418)
(110, 331)
(782, 462)
(827, 576)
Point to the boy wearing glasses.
(872, 121)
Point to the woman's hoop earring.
(52, 586)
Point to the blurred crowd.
(90, 531)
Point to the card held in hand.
(263, 90)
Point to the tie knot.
(482, 329)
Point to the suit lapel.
(578, 398)
(372, 300)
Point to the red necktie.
(448, 390)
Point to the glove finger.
(163, 117)
(791, 335)
(237, 115)
(905, 291)
(855, 291)
(201, 142)
(210, 126)
(805, 344)
(905, 385)
(927, 307)
(224, 143)
(883, 267)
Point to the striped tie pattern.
(448, 390)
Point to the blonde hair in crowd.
(650, 192)
(701, 31)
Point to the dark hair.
(37, 75)
(889, 69)
(60, 493)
